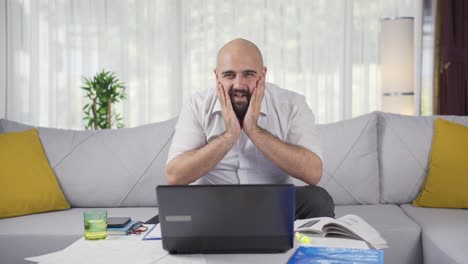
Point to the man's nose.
(239, 82)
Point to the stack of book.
(351, 227)
(121, 231)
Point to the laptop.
(226, 218)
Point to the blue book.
(120, 231)
(321, 255)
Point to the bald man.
(247, 131)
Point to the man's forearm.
(192, 165)
(296, 161)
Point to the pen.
(302, 238)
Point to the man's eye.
(250, 74)
(229, 76)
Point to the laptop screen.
(214, 218)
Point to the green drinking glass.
(95, 225)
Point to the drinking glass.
(95, 225)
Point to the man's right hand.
(194, 164)
(233, 128)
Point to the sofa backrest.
(376, 157)
(106, 168)
(404, 149)
(111, 168)
(350, 160)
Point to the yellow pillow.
(446, 184)
(27, 183)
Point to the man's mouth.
(240, 100)
(239, 94)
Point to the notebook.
(226, 218)
(320, 255)
(120, 231)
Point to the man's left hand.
(250, 124)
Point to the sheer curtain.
(51, 44)
(2, 58)
(165, 50)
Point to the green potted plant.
(104, 89)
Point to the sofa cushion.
(404, 145)
(350, 164)
(28, 184)
(107, 168)
(34, 235)
(447, 182)
(402, 234)
(444, 233)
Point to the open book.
(348, 226)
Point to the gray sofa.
(374, 166)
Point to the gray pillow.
(350, 163)
(106, 168)
(405, 144)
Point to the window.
(165, 50)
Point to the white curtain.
(165, 50)
(2, 58)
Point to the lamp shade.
(397, 64)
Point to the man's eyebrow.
(233, 72)
(228, 72)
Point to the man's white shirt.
(283, 113)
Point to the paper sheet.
(106, 251)
(154, 233)
(47, 257)
(182, 259)
(116, 249)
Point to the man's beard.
(240, 108)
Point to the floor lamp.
(397, 65)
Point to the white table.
(132, 249)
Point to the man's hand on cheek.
(250, 124)
(230, 119)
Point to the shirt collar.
(263, 109)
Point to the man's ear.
(216, 74)
(264, 72)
